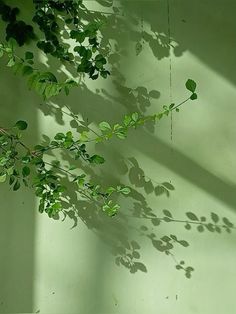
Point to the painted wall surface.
(56, 266)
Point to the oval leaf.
(3, 178)
(21, 125)
(191, 85)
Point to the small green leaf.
(25, 171)
(121, 135)
(3, 161)
(84, 136)
(193, 96)
(33, 80)
(96, 159)
(17, 68)
(104, 126)
(25, 159)
(135, 116)
(52, 90)
(11, 180)
(47, 77)
(27, 70)
(127, 120)
(191, 85)
(21, 125)
(67, 90)
(10, 170)
(110, 190)
(29, 55)
(3, 178)
(104, 74)
(11, 62)
(39, 148)
(57, 206)
(125, 190)
(59, 136)
(110, 209)
(16, 186)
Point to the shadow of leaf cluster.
(115, 232)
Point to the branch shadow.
(115, 232)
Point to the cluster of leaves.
(22, 165)
(53, 19)
(44, 83)
(135, 119)
(47, 180)
(54, 16)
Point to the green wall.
(56, 266)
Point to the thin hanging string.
(170, 71)
(142, 29)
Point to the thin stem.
(183, 102)
(145, 119)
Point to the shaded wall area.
(206, 29)
(17, 209)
